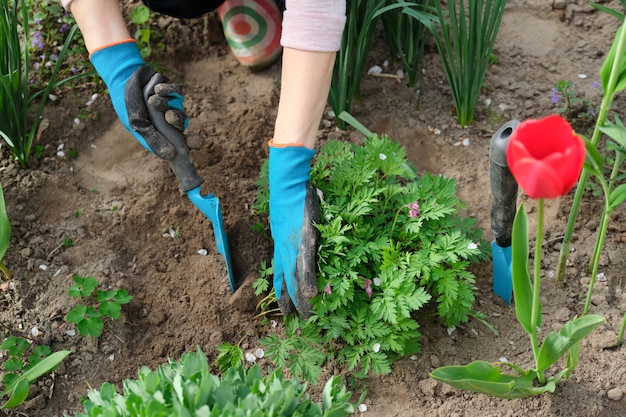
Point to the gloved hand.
(294, 209)
(126, 74)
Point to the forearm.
(100, 22)
(305, 82)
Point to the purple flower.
(38, 20)
(54, 57)
(367, 284)
(64, 28)
(414, 210)
(74, 70)
(328, 290)
(37, 41)
(36, 66)
(595, 84)
(555, 96)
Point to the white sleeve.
(314, 25)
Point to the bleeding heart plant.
(546, 158)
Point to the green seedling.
(68, 243)
(108, 303)
(229, 356)
(145, 35)
(20, 370)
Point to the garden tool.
(188, 179)
(503, 209)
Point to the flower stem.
(596, 260)
(607, 101)
(536, 306)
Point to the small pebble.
(615, 394)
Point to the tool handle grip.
(181, 164)
(503, 186)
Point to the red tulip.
(545, 156)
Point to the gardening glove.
(294, 209)
(126, 74)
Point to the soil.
(131, 227)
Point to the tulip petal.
(538, 179)
(545, 156)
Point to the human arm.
(117, 60)
(308, 60)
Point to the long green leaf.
(5, 226)
(486, 378)
(607, 66)
(45, 365)
(556, 344)
(522, 288)
(19, 388)
(18, 394)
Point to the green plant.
(348, 69)
(20, 371)
(229, 356)
(186, 388)
(5, 234)
(545, 157)
(17, 128)
(465, 43)
(50, 23)
(406, 36)
(390, 241)
(145, 35)
(613, 80)
(108, 303)
(572, 107)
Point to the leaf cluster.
(380, 261)
(186, 388)
(23, 366)
(18, 127)
(108, 303)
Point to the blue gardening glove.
(126, 74)
(294, 209)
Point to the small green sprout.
(89, 319)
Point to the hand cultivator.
(188, 178)
(503, 209)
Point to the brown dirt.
(129, 201)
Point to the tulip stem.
(536, 306)
(604, 223)
(607, 102)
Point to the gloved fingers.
(156, 141)
(177, 118)
(306, 265)
(173, 93)
(174, 106)
(282, 297)
(169, 89)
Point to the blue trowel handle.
(503, 186)
(181, 164)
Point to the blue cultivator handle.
(188, 179)
(503, 208)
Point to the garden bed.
(131, 228)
